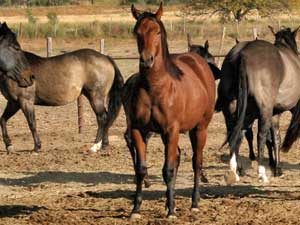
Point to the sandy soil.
(64, 185)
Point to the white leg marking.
(262, 176)
(233, 166)
(96, 147)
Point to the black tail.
(115, 95)
(293, 132)
(241, 105)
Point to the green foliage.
(30, 17)
(237, 9)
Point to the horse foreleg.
(28, 109)
(172, 157)
(140, 170)
(10, 110)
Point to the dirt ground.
(65, 185)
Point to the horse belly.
(60, 95)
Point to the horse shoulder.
(142, 103)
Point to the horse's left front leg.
(27, 107)
(172, 158)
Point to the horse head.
(286, 37)
(13, 63)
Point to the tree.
(237, 9)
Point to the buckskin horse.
(60, 80)
(175, 93)
(264, 79)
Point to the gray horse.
(60, 80)
(264, 78)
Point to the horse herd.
(171, 94)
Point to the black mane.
(170, 66)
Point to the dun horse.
(175, 93)
(60, 80)
(264, 79)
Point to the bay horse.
(13, 63)
(60, 80)
(264, 79)
(132, 82)
(174, 94)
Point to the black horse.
(259, 80)
(13, 63)
(60, 80)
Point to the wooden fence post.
(102, 46)
(49, 46)
(255, 36)
(221, 45)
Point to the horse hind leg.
(28, 109)
(130, 145)
(97, 103)
(198, 138)
(264, 125)
(10, 110)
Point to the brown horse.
(175, 93)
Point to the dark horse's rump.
(263, 78)
(173, 93)
(60, 80)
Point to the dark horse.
(60, 80)
(175, 93)
(264, 78)
(132, 82)
(13, 63)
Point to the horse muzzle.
(148, 62)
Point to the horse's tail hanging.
(241, 104)
(293, 132)
(115, 94)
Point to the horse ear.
(135, 12)
(206, 45)
(295, 32)
(159, 12)
(272, 30)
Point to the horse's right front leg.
(28, 109)
(10, 110)
(140, 170)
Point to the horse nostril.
(151, 58)
(32, 77)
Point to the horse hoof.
(204, 179)
(231, 178)
(9, 149)
(135, 216)
(172, 217)
(278, 172)
(147, 184)
(195, 210)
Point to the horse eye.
(16, 47)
